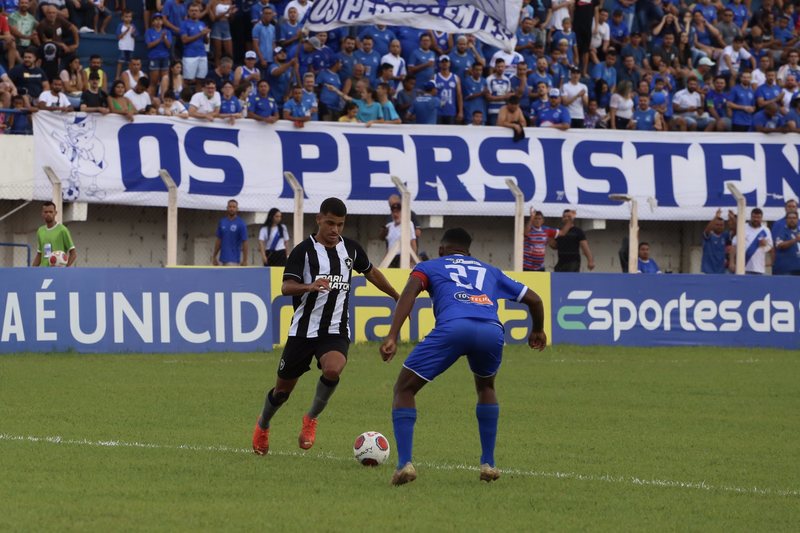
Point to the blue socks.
(403, 419)
(487, 414)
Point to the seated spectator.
(205, 104)
(50, 54)
(74, 79)
(7, 88)
(8, 43)
(477, 118)
(769, 92)
(230, 107)
(646, 118)
(62, 33)
(768, 120)
(688, 104)
(170, 107)
(350, 112)
(262, 107)
(19, 122)
(96, 66)
(94, 99)
(102, 16)
(55, 99)
(593, 119)
(369, 111)
(117, 102)
(138, 96)
(295, 109)
(621, 107)
(556, 115)
(172, 81)
(22, 25)
(134, 73)
(222, 73)
(646, 265)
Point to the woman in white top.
(273, 239)
(621, 106)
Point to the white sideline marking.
(607, 478)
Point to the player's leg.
(332, 356)
(484, 361)
(294, 362)
(440, 349)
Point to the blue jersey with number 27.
(464, 287)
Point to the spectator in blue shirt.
(769, 91)
(742, 103)
(426, 105)
(647, 265)
(717, 105)
(422, 62)
(231, 244)
(295, 109)
(280, 74)
(369, 111)
(368, 57)
(645, 118)
(768, 120)
(159, 43)
(607, 70)
(463, 57)
(289, 33)
(715, 242)
(310, 95)
(261, 106)
(347, 57)
(787, 247)
(555, 115)
(381, 36)
(194, 35)
(174, 12)
(330, 104)
(229, 106)
(264, 38)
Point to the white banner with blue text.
(450, 170)
(492, 21)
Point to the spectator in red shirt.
(537, 235)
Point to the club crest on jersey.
(479, 299)
(336, 282)
(348, 263)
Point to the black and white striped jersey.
(324, 313)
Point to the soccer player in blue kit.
(465, 293)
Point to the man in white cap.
(249, 72)
(556, 115)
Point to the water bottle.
(48, 249)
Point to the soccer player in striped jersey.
(465, 293)
(318, 274)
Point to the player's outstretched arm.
(377, 278)
(401, 312)
(537, 339)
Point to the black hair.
(644, 243)
(457, 237)
(48, 203)
(333, 206)
(513, 99)
(756, 211)
(271, 217)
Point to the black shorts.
(150, 5)
(570, 265)
(298, 352)
(276, 258)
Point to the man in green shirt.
(22, 25)
(53, 237)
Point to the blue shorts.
(125, 56)
(221, 30)
(161, 63)
(481, 341)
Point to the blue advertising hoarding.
(134, 310)
(669, 310)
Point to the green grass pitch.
(613, 439)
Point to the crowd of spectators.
(619, 64)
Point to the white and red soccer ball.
(371, 448)
(58, 259)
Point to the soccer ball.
(71, 193)
(371, 448)
(58, 259)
